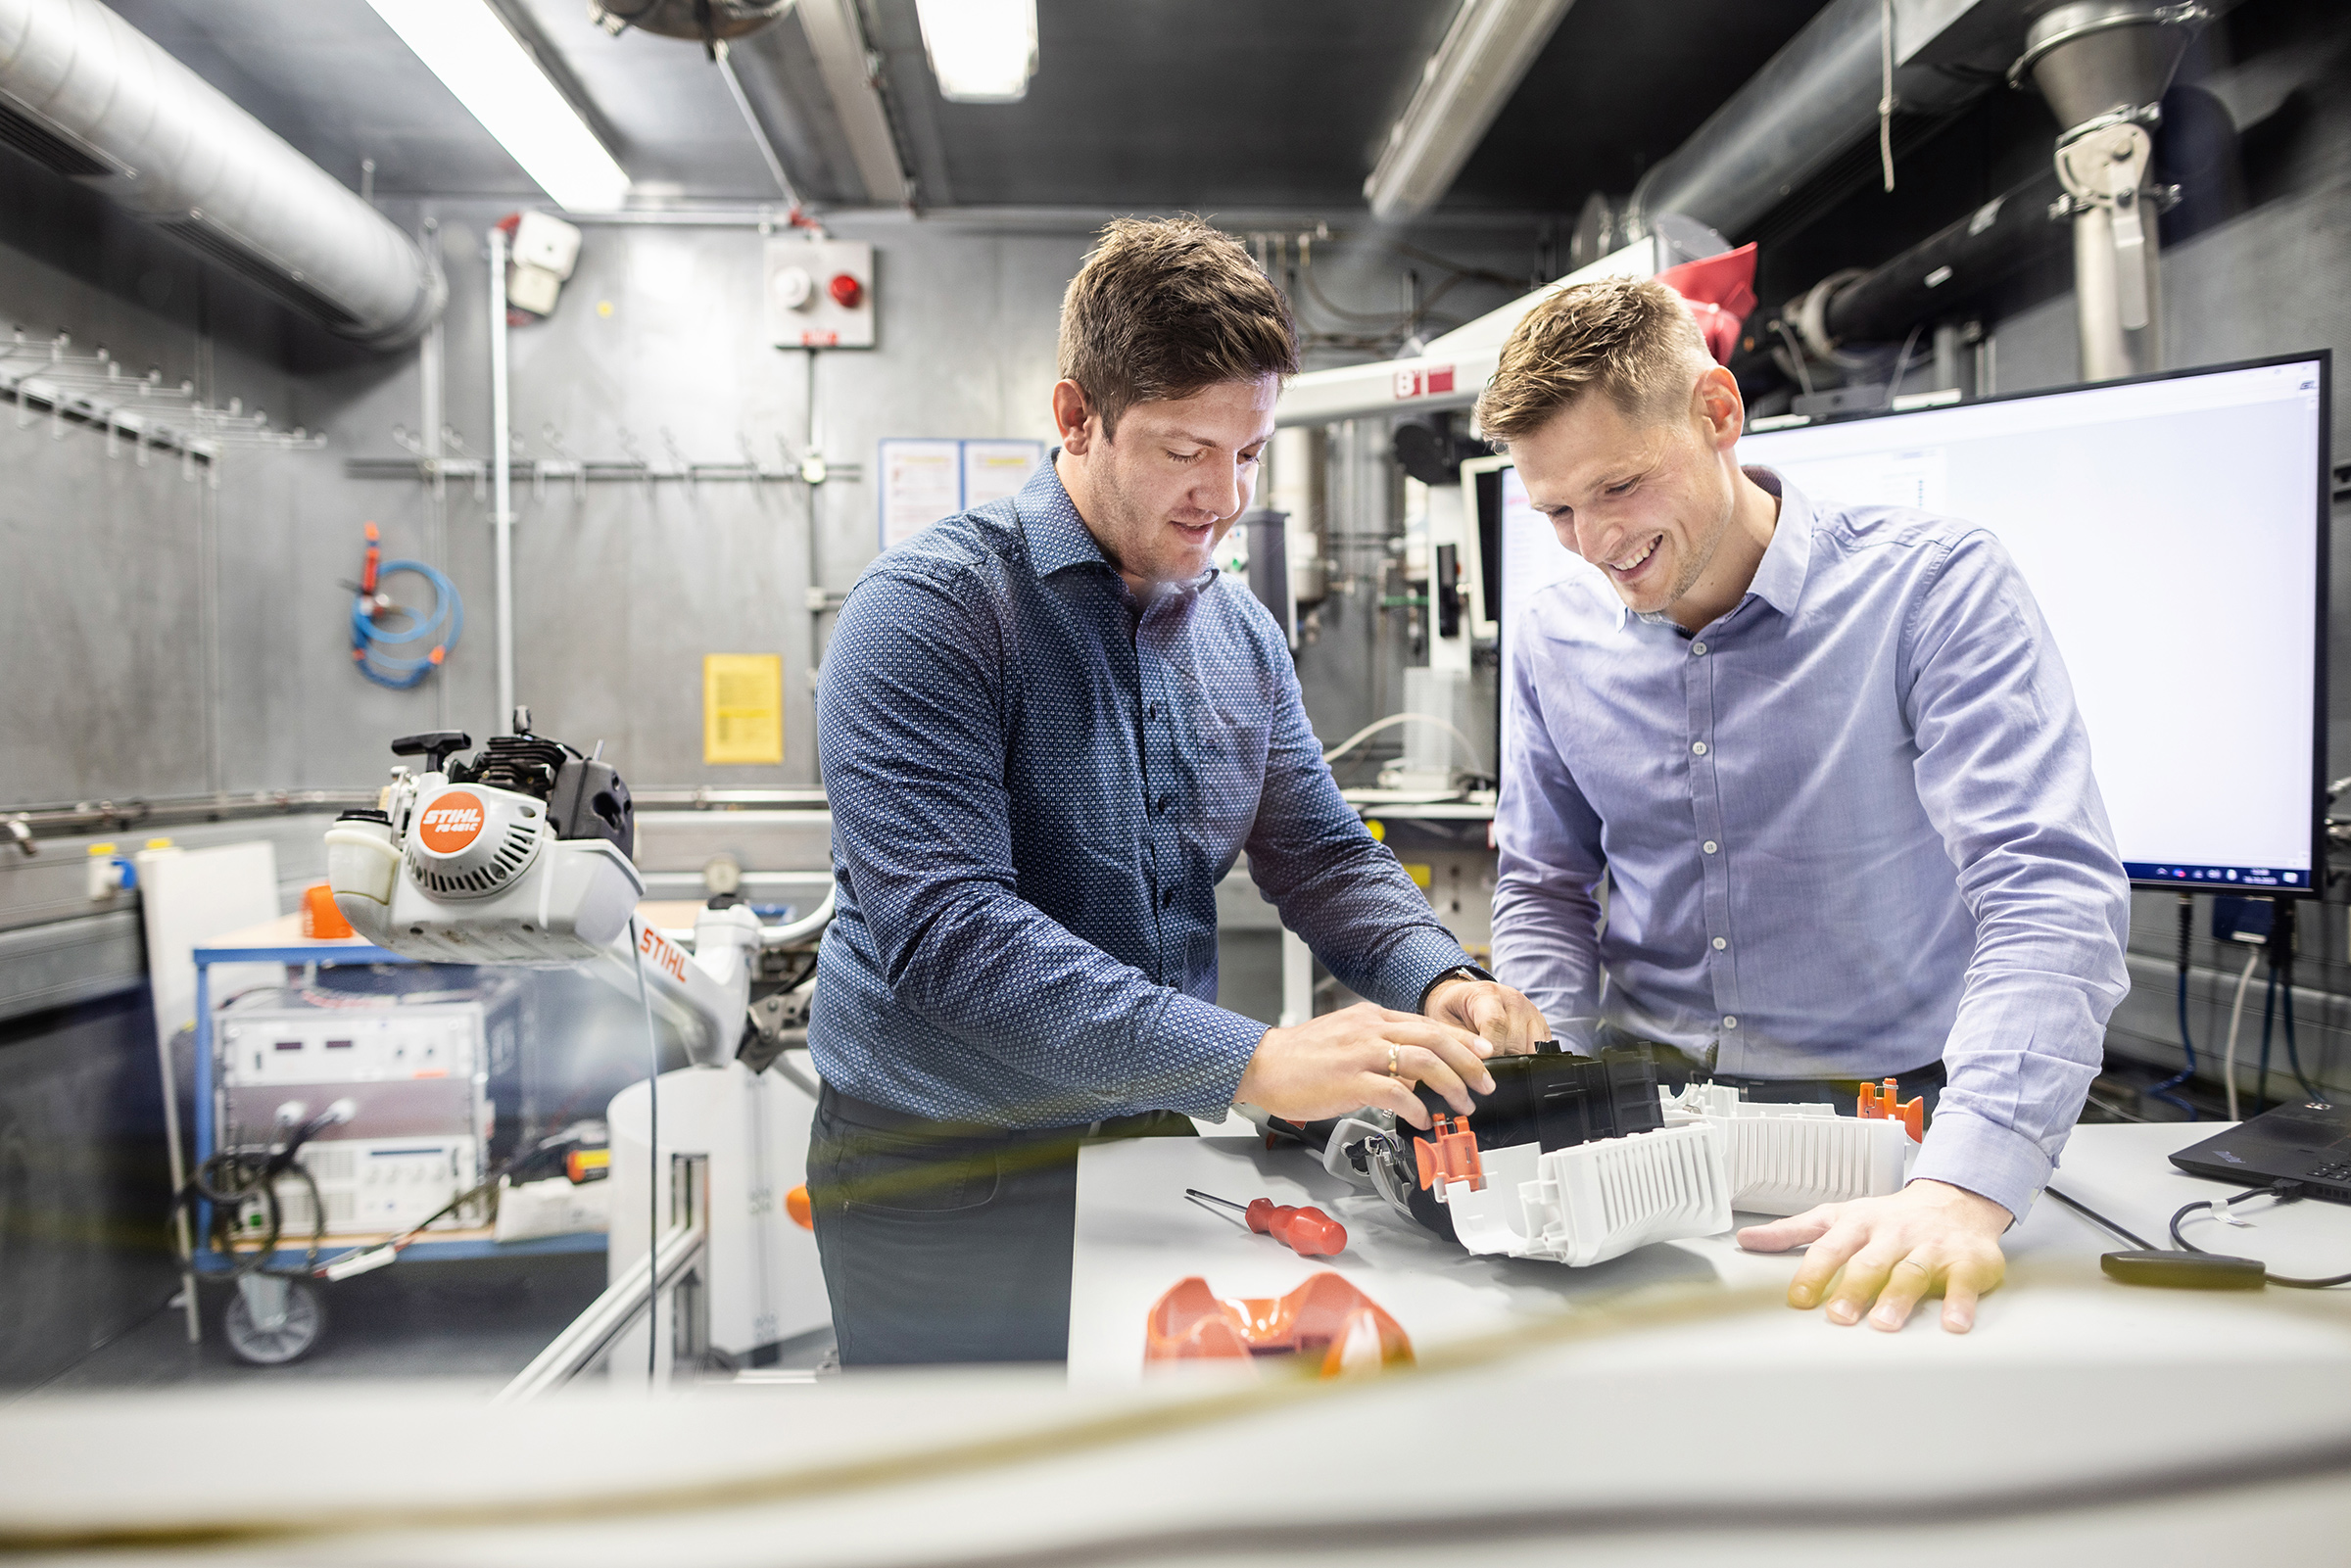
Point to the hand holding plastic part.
(1305, 1230)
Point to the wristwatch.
(1460, 971)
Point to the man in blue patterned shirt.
(1829, 763)
(1048, 727)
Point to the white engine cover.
(481, 879)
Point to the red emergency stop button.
(845, 290)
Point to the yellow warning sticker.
(742, 707)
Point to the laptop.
(2308, 1142)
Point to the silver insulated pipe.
(91, 96)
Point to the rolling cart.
(278, 1314)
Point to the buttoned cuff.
(1413, 967)
(1210, 1048)
(1980, 1156)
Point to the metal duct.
(1812, 101)
(90, 96)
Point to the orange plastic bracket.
(1327, 1317)
(1450, 1150)
(1879, 1105)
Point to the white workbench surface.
(1136, 1235)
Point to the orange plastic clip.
(1450, 1150)
(1878, 1105)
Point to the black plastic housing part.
(1549, 1099)
(589, 801)
(1557, 1101)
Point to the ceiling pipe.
(88, 95)
(1822, 93)
(1484, 55)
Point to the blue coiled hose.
(368, 641)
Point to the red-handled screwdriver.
(1307, 1232)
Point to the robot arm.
(521, 856)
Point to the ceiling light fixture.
(982, 50)
(466, 44)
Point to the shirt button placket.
(1707, 804)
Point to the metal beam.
(839, 40)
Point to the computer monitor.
(2173, 530)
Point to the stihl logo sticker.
(665, 956)
(451, 823)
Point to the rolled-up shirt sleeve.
(1546, 891)
(2003, 772)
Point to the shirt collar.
(1058, 538)
(1780, 575)
(1779, 579)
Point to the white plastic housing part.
(363, 865)
(1786, 1158)
(1595, 1200)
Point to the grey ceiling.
(1136, 103)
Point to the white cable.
(2235, 1015)
(1886, 96)
(1468, 748)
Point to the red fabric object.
(1721, 291)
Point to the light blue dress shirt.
(1848, 828)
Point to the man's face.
(1163, 493)
(1645, 500)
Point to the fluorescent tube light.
(497, 81)
(982, 50)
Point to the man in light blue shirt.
(1828, 761)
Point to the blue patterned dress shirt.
(1848, 829)
(1036, 782)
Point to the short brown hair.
(1164, 308)
(1632, 339)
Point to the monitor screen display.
(2173, 530)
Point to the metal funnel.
(2098, 57)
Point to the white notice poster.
(994, 469)
(922, 482)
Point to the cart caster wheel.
(271, 1322)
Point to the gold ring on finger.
(1392, 1069)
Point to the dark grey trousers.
(944, 1243)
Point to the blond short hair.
(1164, 308)
(1631, 339)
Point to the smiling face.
(1165, 491)
(1649, 501)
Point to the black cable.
(231, 1177)
(2293, 1056)
(2268, 1009)
(2188, 1045)
(2284, 1192)
(2083, 1209)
